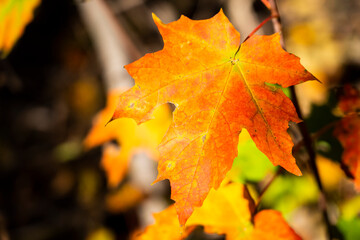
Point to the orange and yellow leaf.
(217, 91)
(14, 16)
(226, 211)
(131, 137)
(270, 224)
(166, 226)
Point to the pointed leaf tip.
(156, 19)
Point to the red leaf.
(348, 132)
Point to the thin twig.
(315, 135)
(258, 27)
(303, 128)
(323, 130)
(261, 194)
(253, 32)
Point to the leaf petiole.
(254, 31)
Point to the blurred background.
(57, 181)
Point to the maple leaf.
(131, 138)
(270, 224)
(14, 16)
(166, 226)
(217, 89)
(98, 133)
(233, 219)
(348, 131)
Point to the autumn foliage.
(218, 88)
(233, 219)
(219, 116)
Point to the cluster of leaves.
(228, 210)
(131, 137)
(219, 89)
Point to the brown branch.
(303, 128)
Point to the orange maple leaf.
(14, 16)
(233, 219)
(218, 89)
(270, 224)
(348, 131)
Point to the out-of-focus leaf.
(349, 222)
(348, 132)
(270, 224)
(101, 234)
(166, 226)
(123, 199)
(130, 136)
(115, 163)
(266, 3)
(14, 16)
(232, 219)
(100, 134)
(351, 208)
(250, 164)
(350, 228)
(330, 172)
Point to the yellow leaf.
(130, 136)
(14, 16)
(225, 211)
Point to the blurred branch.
(265, 188)
(303, 128)
(114, 48)
(112, 44)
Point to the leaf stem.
(258, 27)
(254, 31)
(315, 135)
(324, 129)
(261, 194)
(303, 128)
